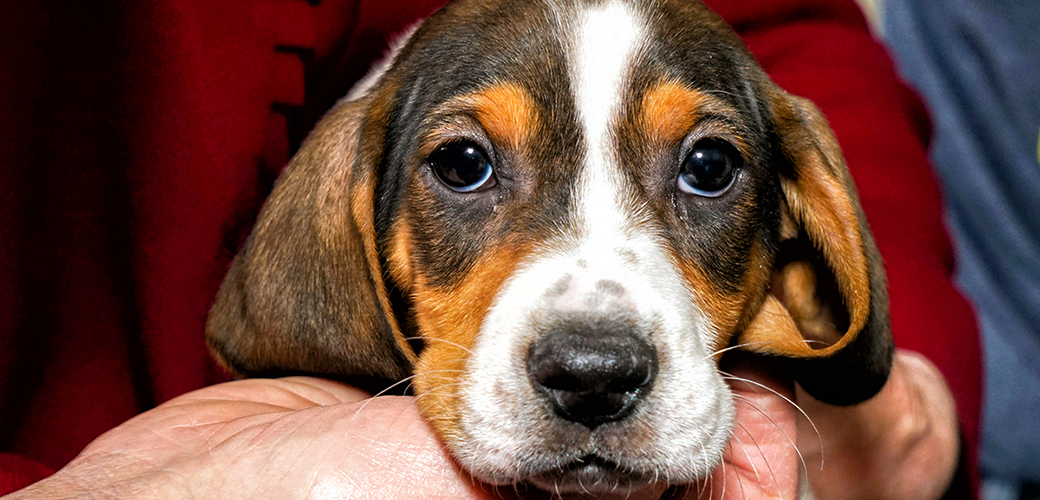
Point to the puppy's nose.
(592, 372)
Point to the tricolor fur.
(586, 110)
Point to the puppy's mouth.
(592, 475)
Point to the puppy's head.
(575, 206)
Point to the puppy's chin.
(592, 477)
(611, 490)
(595, 478)
(593, 484)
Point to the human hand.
(296, 437)
(311, 438)
(902, 443)
(761, 461)
(304, 437)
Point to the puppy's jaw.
(610, 261)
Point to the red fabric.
(17, 472)
(137, 140)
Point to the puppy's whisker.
(711, 483)
(769, 467)
(725, 479)
(743, 448)
(445, 369)
(433, 391)
(775, 424)
(734, 347)
(450, 362)
(424, 339)
(439, 386)
(760, 342)
(819, 437)
(407, 380)
(380, 393)
(704, 484)
(740, 481)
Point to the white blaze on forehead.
(608, 40)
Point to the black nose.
(592, 372)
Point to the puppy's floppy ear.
(306, 292)
(827, 306)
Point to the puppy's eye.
(463, 166)
(710, 168)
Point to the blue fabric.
(977, 65)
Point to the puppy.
(557, 214)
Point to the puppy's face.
(578, 213)
(574, 206)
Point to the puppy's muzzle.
(592, 371)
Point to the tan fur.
(450, 319)
(670, 110)
(399, 261)
(507, 113)
(504, 111)
(729, 313)
(724, 310)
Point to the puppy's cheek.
(722, 310)
(439, 375)
(450, 320)
(728, 313)
(690, 385)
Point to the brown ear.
(827, 306)
(306, 293)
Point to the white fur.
(506, 430)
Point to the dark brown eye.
(463, 166)
(710, 168)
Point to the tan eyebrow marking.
(670, 109)
(507, 112)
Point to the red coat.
(139, 139)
